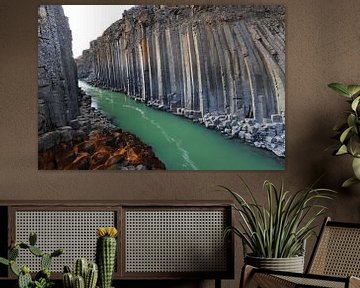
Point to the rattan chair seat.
(335, 262)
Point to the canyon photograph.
(158, 87)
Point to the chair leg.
(217, 283)
(246, 274)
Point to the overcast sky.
(87, 22)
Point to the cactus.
(32, 238)
(13, 253)
(4, 261)
(80, 267)
(42, 278)
(14, 268)
(87, 272)
(24, 246)
(67, 269)
(36, 251)
(91, 276)
(25, 269)
(105, 254)
(79, 282)
(57, 252)
(24, 280)
(45, 261)
(68, 280)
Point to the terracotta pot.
(291, 264)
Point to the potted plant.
(106, 254)
(84, 274)
(42, 278)
(348, 132)
(276, 233)
(87, 274)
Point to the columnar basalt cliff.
(203, 62)
(71, 133)
(57, 77)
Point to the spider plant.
(279, 229)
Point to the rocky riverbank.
(92, 142)
(269, 135)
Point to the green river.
(178, 142)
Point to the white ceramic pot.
(291, 264)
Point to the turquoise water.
(178, 142)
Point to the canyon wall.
(58, 102)
(193, 60)
(221, 66)
(71, 133)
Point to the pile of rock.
(156, 105)
(269, 135)
(188, 113)
(115, 150)
(78, 129)
(92, 142)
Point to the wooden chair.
(334, 263)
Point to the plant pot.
(291, 264)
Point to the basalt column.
(57, 77)
(194, 60)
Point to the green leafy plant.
(348, 132)
(279, 229)
(43, 283)
(42, 278)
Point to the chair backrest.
(337, 251)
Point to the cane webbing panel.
(267, 280)
(338, 252)
(313, 282)
(75, 231)
(175, 241)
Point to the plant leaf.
(340, 88)
(351, 120)
(353, 89)
(345, 134)
(4, 261)
(356, 167)
(349, 182)
(354, 145)
(342, 150)
(355, 103)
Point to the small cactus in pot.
(106, 254)
(85, 275)
(68, 278)
(91, 276)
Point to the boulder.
(48, 140)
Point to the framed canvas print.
(149, 87)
